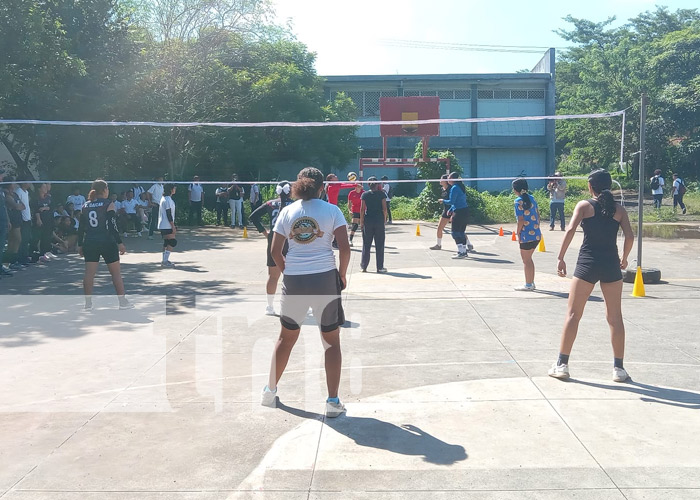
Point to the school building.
(490, 149)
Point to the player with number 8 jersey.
(98, 237)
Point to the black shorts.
(446, 213)
(320, 292)
(530, 245)
(93, 250)
(356, 215)
(605, 269)
(166, 232)
(270, 260)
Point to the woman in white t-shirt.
(311, 280)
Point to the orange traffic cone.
(638, 287)
(245, 232)
(500, 231)
(541, 247)
(512, 236)
(417, 229)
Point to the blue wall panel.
(510, 163)
(499, 108)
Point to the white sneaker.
(559, 371)
(269, 398)
(138, 235)
(167, 263)
(270, 311)
(525, 288)
(350, 242)
(470, 247)
(50, 255)
(334, 409)
(88, 306)
(620, 374)
(125, 304)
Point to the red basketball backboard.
(409, 108)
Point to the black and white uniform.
(271, 208)
(445, 195)
(598, 258)
(98, 234)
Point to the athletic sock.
(563, 359)
(618, 363)
(122, 299)
(270, 299)
(166, 255)
(88, 300)
(439, 241)
(333, 400)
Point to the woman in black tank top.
(598, 260)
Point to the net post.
(640, 199)
(384, 147)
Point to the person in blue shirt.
(528, 230)
(457, 201)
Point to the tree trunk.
(22, 165)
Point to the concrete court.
(444, 380)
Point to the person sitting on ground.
(60, 211)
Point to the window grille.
(535, 94)
(411, 93)
(518, 94)
(501, 94)
(485, 94)
(446, 94)
(371, 104)
(463, 94)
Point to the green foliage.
(608, 69)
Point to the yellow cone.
(638, 288)
(417, 229)
(541, 247)
(245, 232)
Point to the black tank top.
(95, 220)
(599, 233)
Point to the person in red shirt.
(332, 190)
(355, 203)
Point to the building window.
(371, 104)
(485, 94)
(411, 93)
(446, 94)
(535, 94)
(501, 94)
(463, 94)
(390, 93)
(518, 94)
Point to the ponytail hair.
(308, 184)
(601, 182)
(520, 186)
(455, 175)
(99, 187)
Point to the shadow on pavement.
(652, 393)
(373, 433)
(565, 295)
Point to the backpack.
(681, 188)
(655, 182)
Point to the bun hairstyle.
(601, 182)
(520, 186)
(283, 189)
(168, 189)
(308, 184)
(373, 184)
(99, 187)
(455, 175)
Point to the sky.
(350, 37)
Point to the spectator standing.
(557, 194)
(196, 196)
(44, 221)
(355, 207)
(156, 193)
(14, 212)
(4, 226)
(235, 201)
(678, 191)
(22, 191)
(373, 216)
(389, 192)
(255, 198)
(657, 188)
(77, 199)
(222, 205)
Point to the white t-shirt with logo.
(166, 203)
(196, 191)
(309, 226)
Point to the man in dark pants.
(373, 216)
(196, 196)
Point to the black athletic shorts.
(320, 292)
(270, 260)
(166, 232)
(446, 213)
(93, 250)
(530, 245)
(605, 269)
(356, 215)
